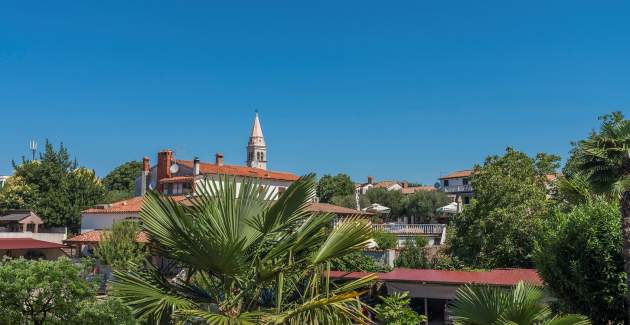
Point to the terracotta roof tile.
(94, 236)
(331, 208)
(132, 205)
(411, 190)
(458, 174)
(207, 168)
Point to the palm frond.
(349, 235)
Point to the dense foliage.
(395, 311)
(604, 158)
(579, 255)
(522, 305)
(52, 292)
(119, 247)
(412, 255)
(331, 186)
(246, 260)
(357, 262)
(121, 181)
(508, 206)
(385, 240)
(55, 187)
(419, 207)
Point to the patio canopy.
(450, 208)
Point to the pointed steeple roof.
(256, 129)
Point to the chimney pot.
(370, 179)
(165, 158)
(145, 164)
(218, 159)
(196, 166)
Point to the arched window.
(262, 156)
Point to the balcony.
(458, 188)
(420, 229)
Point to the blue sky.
(408, 90)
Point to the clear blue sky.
(398, 90)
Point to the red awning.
(26, 243)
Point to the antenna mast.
(32, 145)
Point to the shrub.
(413, 256)
(385, 240)
(395, 311)
(358, 262)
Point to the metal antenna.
(33, 146)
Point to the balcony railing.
(399, 228)
(458, 188)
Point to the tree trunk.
(625, 229)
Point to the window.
(465, 181)
(466, 199)
(445, 182)
(281, 191)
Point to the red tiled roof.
(497, 277)
(26, 243)
(177, 179)
(331, 208)
(458, 174)
(411, 190)
(384, 184)
(94, 236)
(207, 168)
(132, 205)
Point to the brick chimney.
(165, 158)
(370, 179)
(144, 175)
(405, 184)
(196, 166)
(218, 159)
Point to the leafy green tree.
(56, 188)
(121, 181)
(119, 247)
(422, 205)
(110, 311)
(523, 305)
(604, 158)
(412, 255)
(350, 201)
(338, 185)
(394, 200)
(246, 260)
(579, 255)
(509, 204)
(395, 311)
(16, 194)
(357, 262)
(385, 240)
(38, 292)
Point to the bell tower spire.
(256, 147)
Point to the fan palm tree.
(522, 305)
(246, 259)
(605, 158)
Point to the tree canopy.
(508, 206)
(119, 247)
(331, 186)
(121, 181)
(53, 292)
(579, 255)
(54, 186)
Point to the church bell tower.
(256, 147)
